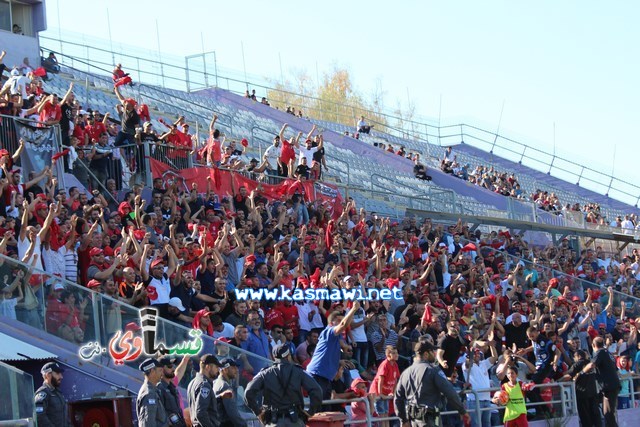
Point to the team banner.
(40, 144)
(223, 183)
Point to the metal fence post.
(149, 175)
(477, 408)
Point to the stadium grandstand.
(126, 189)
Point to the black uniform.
(202, 402)
(51, 407)
(168, 394)
(607, 377)
(280, 386)
(230, 415)
(149, 407)
(587, 399)
(419, 395)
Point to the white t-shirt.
(271, 155)
(359, 334)
(307, 153)
(227, 332)
(163, 290)
(479, 379)
(23, 247)
(303, 316)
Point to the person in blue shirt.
(326, 359)
(547, 355)
(258, 342)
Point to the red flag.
(469, 247)
(427, 317)
(328, 235)
(122, 81)
(60, 154)
(40, 72)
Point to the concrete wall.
(18, 47)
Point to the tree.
(335, 100)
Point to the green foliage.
(335, 100)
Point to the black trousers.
(589, 412)
(325, 385)
(542, 411)
(609, 406)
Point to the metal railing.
(564, 399)
(421, 129)
(101, 318)
(577, 283)
(18, 407)
(34, 133)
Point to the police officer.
(586, 391)
(149, 407)
(51, 406)
(203, 406)
(168, 393)
(223, 386)
(280, 386)
(420, 390)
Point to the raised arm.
(313, 129)
(212, 125)
(281, 134)
(119, 95)
(68, 94)
(54, 209)
(346, 321)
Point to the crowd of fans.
(507, 185)
(489, 301)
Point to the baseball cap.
(95, 252)
(346, 278)
(357, 381)
(167, 361)
(51, 367)
(132, 326)
(422, 346)
(148, 365)
(281, 351)
(283, 264)
(227, 362)
(93, 283)
(177, 303)
(156, 262)
(58, 287)
(209, 359)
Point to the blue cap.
(51, 367)
(281, 351)
(148, 365)
(227, 362)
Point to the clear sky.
(574, 64)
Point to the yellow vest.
(516, 406)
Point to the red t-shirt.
(79, 133)
(388, 373)
(273, 317)
(288, 153)
(95, 130)
(50, 112)
(290, 317)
